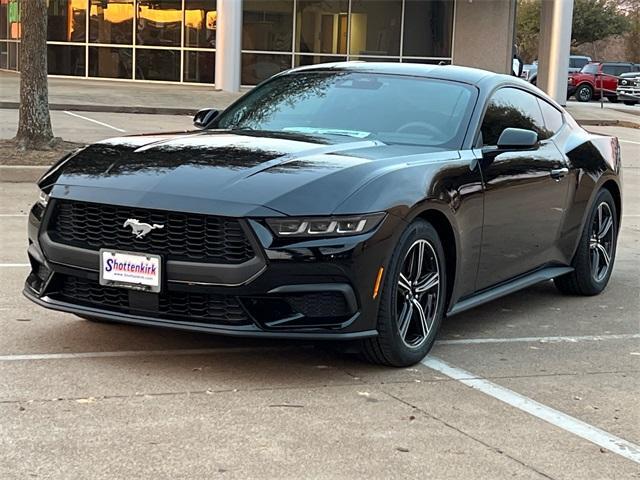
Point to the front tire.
(584, 93)
(593, 261)
(412, 299)
(630, 102)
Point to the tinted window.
(343, 105)
(578, 62)
(512, 108)
(616, 69)
(552, 117)
(590, 68)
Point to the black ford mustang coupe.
(361, 201)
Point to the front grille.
(186, 306)
(185, 236)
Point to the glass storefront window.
(111, 21)
(65, 60)
(322, 26)
(175, 40)
(4, 55)
(13, 18)
(375, 27)
(257, 67)
(375, 59)
(267, 25)
(428, 28)
(200, 19)
(4, 20)
(14, 56)
(302, 60)
(156, 64)
(66, 20)
(159, 22)
(110, 62)
(199, 67)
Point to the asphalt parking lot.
(535, 385)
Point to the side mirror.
(204, 117)
(517, 139)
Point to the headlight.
(43, 199)
(324, 226)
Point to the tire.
(584, 93)
(630, 102)
(589, 276)
(613, 99)
(391, 347)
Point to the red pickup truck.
(587, 83)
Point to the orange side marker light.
(376, 287)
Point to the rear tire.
(584, 93)
(594, 258)
(412, 299)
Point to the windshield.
(591, 68)
(342, 105)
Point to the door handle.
(558, 173)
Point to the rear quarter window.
(553, 119)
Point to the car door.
(525, 192)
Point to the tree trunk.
(34, 126)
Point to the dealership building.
(229, 43)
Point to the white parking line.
(629, 141)
(144, 353)
(561, 420)
(94, 121)
(14, 265)
(14, 214)
(559, 339)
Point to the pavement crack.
(468, 435)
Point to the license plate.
(130, 270)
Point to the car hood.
(235, 174)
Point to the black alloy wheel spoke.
(418, 294)
(601, 242)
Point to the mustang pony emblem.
(140, 229)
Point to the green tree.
(593, 20)
(633, 35)
(528, 29)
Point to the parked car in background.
(576, 63)
(597, 77)
(629, 88)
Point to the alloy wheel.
(418, 294)
(601, 242)
(584, 94)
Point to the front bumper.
(308, 289)
(629, 95)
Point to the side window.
(552, 117)
(579, 62)
(616, 69)
(511, 107)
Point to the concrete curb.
(110, 108)
(21, 173)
